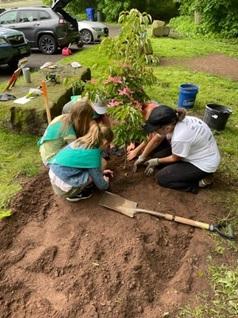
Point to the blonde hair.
(96, 135)
(80, 117)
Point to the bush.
(219, 17)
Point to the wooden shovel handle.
(175, 218)
(46, 100)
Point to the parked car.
(13, 47)
(92, 31)
(45, 28)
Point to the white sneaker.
(205, 182)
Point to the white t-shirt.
(193, 141)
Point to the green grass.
(19, 158)
(93, 58)
(183, 48)
(224, 303)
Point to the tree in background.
(158, 9)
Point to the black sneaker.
(85, 194)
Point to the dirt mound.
(217, 64)
(62, 259)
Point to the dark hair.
(163, 115)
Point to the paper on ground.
(22, 100)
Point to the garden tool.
(129, 208)
(16, 74)
(46, 100)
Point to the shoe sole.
(78, 199)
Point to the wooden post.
(46, 100)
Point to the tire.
(13, 65)
(86, 36)
(47, 44)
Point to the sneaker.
(205, 182)
(85, 194)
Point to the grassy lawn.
(182, 48)
(211, 89)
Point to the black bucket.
(216, 116)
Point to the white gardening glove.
(151, 164)
(138, 162)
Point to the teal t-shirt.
(78, 157)
(55, 131)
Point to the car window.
(27, 15)
(8, 17)
(44, 15)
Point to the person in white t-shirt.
(194, 152)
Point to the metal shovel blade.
(117, 203)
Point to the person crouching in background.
(65, 128)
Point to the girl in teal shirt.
(79, 165)
(65, 128)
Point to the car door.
(58, 6)
(27, 22)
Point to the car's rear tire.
(47, 44)
(13, 65)
(86, 36)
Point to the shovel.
(129, 208)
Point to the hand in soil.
(131, 154)
(151, 164)
(138, 162)
(108, 173)
(130, 147)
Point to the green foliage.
(123, 86)
(77, 85)
(132, 45)
(130, 121)
(185, 25)
(125, 95)
(218, 16)
(111, 9)
(48, 2)
(224, 303)
(162, 9)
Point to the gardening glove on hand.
(138, 162)
(151, 164)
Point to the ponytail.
(181, 113)
(96, 135)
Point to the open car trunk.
(58, 6)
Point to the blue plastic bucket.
(187, 95)
(90, 14)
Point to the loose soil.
(79, 260)
(61, 259)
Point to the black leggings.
(180, 175)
